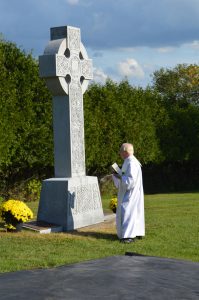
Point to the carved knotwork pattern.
(74, 39)
(87, 70)
(84, 198)
(62, 65)
(75, 68)
(77, 129)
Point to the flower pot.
(19, 227)
(11, 220)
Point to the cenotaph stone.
(70, 199)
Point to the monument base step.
(42, 227)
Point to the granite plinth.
(71, 202)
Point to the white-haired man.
(130, 209)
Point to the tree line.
(161, 120)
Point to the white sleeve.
(130, 177)
(116, 181)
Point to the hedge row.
(162, 121)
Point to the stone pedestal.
(71, 202)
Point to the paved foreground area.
(116, 277)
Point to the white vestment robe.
(130, 221)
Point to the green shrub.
(33, 190)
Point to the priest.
(130, 220)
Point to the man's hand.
(117, 175)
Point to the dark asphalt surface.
(116, 277)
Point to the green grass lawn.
(172, 230)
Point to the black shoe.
(127, 241)
(139, 237)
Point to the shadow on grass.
(96, 235)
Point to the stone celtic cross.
(67, 71)
(70, 199)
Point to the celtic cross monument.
(70, 199)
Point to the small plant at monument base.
(34, 189)
(15, 212)
(113, 205)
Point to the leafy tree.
(179, 131)
(179, 134)
(161, 121)
(26, 117)
(179, 86)
(117, 113)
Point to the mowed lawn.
(172, 230)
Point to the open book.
(116, 169)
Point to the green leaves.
(179, 86)
(26, 113)
(179, 133)
(117, 113)
(161, 121)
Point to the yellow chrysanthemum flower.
(113, 204)
(13, 211)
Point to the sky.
(124, 38)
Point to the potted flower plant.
(14, 213)
(113, 205)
